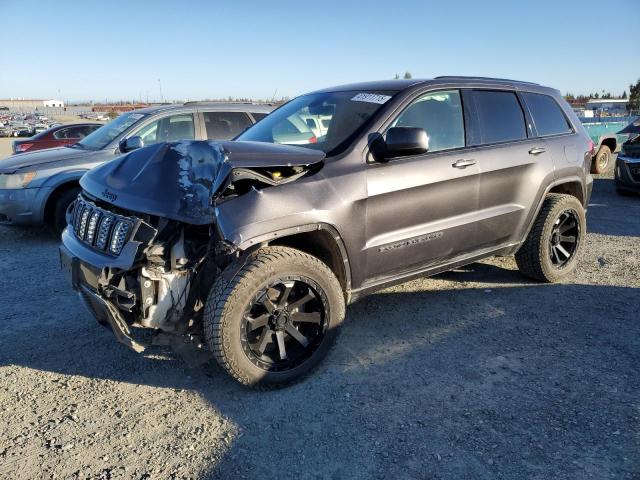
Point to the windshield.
(321, 121)
(107, 133)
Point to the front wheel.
(551, 249)
(272, 320)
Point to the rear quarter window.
(258, 116)
(547, 114)
(500, 116)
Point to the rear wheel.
(62, 204)
(274, 319)
(551, 249)
(602, 160)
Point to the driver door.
(421, 209)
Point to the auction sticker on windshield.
(371, 98)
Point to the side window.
(168, 129)
(78, 132)
(225, 125)
(440, 115)
(61, 134)
(500, 116)
(547, 115)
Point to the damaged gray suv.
(250, 249)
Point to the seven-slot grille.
(101, 229)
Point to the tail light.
(313, 139)
(23, 147)
(592, 147)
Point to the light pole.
(160, 86)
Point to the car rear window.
(500, 116)
(547, 115)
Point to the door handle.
(536, 151)
(463, 163)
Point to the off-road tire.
(59, 219)
(602, 160)
(233, 291)
(533, 258)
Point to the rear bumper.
(627, 173)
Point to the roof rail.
(224, 102)
(443, 77)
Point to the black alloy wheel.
(564, 239)
(284, 324)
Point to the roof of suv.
(212, 106)
(402, 84)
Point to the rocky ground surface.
(474, 374)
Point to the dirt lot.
(5, 146)
(474, 374)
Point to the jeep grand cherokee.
(251, 249)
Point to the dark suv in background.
(251, 249)
(37, 187)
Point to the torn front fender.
(180, 180)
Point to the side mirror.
(403, 141)
(131, 143)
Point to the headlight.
(13, 181)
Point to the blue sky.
(206, 49)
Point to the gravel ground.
(474, 374)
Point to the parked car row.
(23, 125)
(97, 116)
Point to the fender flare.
(255, 242)
(555, 183)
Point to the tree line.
(633, 97)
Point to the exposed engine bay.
(150, 260)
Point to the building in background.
(30, 104)
(54, 103)
(606, 106)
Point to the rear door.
(561, 141)
(513, 165)
(421, 208)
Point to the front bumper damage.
(85, 279)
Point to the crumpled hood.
(178, 180)
(46, 158)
